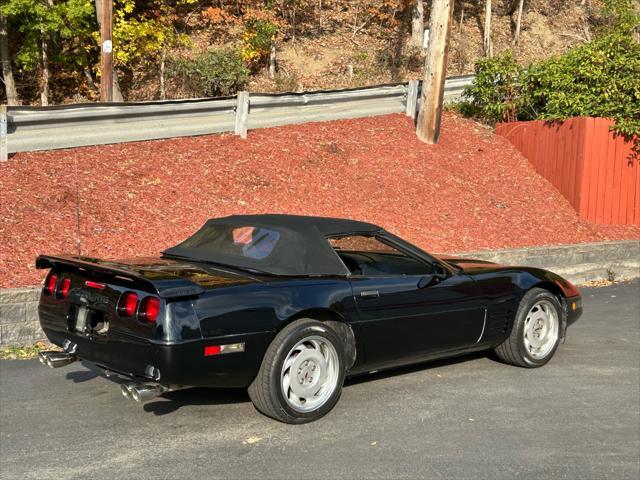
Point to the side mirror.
(426, 280)
(439, 274)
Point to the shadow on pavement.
(171, 401)
(196, 396)
(219, 396)
(404, 370)
(81, 376)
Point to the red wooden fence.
(595, 170)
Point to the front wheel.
(535, 333)
(301, 376)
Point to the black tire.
(266, 391)
(513, 349)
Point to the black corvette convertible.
(288, 306)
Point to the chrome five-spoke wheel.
(310, 374)
(536, 331)
(302, 372)
(541, 328)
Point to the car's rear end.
(137, 320)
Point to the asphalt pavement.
(473, 417)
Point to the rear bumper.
(181, 364)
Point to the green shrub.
(257, 38)
(213, 73)
(598, 79)
(496, 93)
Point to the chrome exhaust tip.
(141, 392)
(56, 359)
(125, 388)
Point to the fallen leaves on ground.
(25, 352)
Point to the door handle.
(369, 294)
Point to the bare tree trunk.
(44, 65)
(435, 71)
(272, 60)
(163, 59)
(516, 36)
(488, 46)
(117, 94)
(44, 71)
(7, 71)
(417, 24)
(86, 70)
(293, 23)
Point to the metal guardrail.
(45, 128)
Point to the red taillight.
(96, 285)
(52, 281)
(212, 350)
(128, 303)
(149, 309)
(65, 288)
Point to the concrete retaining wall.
(578, 263)
(19, 316)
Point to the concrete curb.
(578, 263)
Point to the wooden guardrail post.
(242, 114)
(412, 98)
(4, 153)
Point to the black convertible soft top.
(290, 245)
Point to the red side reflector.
(99, 286)
(211, 350)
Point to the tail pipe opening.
(141, 392)
(56, 359)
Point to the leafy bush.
(257, 38)
(213, 73)
(496, 93)
(599, 79)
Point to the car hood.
(470, 264)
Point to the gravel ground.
(471, 191)
(575, 418)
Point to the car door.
(411, 311)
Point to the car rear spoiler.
(168, 287)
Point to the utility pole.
(435, 71)
(106, 51)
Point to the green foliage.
(497, 92)
(621, 15)
(36, 20)
(140, 36)
(599, 79)
(213, 73)
(257, 38)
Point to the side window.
(367, 255)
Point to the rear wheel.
(535, 334)
(301, 376)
